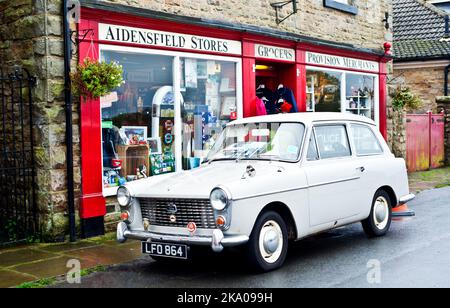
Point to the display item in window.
(285, 100)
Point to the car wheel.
(268, 244)
(379, 220)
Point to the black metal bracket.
(79, 36)
(386, 20)
(279, 5)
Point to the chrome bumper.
(406, 199)
(217, 241)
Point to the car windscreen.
(259, 141)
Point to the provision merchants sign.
(139, 36)
(341, 62)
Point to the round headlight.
(219, 199)
(123, 196)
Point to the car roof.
(305, 117)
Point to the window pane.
(332, 141)
(365, 141)
(323, 91)
(137, 119)
(360, 95)
(210, 102)
(312, 148)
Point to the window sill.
(341, 7)
(110, 191)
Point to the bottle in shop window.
(140, 105)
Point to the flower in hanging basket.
(94, 79)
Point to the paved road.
(416, 253)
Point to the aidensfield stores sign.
(146, 37)
(342, 62)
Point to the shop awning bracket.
(79, 36)
(278, 6)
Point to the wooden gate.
(424, 141)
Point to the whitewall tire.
(268, 244)
(379, 220)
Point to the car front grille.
(157, 211)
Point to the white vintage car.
(266, 181)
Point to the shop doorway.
(276, 87)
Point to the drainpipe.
(447, 68)
(69, 120)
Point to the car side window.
(312, 154)
(365, 141)
(332, 141)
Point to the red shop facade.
(185, 79)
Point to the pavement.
(27, 263)
(415, 253)
(320, 260)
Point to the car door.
(332, 174)
(370, 156)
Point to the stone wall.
(427, 83)
(443, 104)
(396, 119)
(31, 37)
(313, 19)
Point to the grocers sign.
(274, 53)
(341, 62)
(139, 36)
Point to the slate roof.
(419, 28)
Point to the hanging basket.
(94, 79)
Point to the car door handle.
(362, 169)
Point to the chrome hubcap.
(271, 241)
(381, 213)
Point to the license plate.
(165, 250)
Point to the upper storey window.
(342, 5)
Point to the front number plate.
(165, 250)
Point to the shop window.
(332, 141)
(323, 91)
(360, 95)
(209, 90)
(365, 141)
(347, 6)
(137, 119)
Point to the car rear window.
(365, 141)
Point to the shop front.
(184, 82)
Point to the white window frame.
(112, 191)
(376, 89)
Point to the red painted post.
(383, 100)
(249, 79)
(429, 137)
(92, 202)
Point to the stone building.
(185, 62)
(421, 49)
